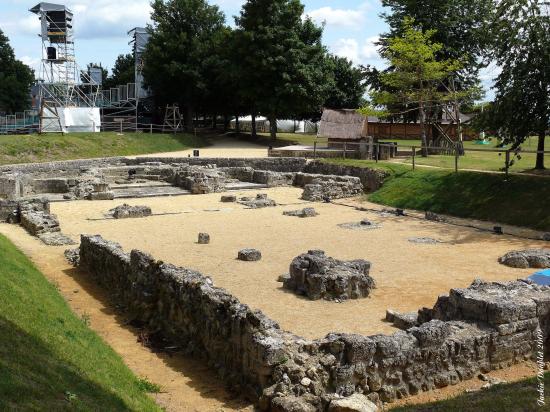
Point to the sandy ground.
(221, 147)
(408, 275)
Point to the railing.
(388, 151)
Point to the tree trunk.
(273, 127)
(540, 148)
(423, 130)
(254, 131)
(237, 125)
(225, 123)
(189, 118)
(214, 121)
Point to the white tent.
(283, 126)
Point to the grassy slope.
(477, 160)
(520, 200)
(42, 148)
(515, 397)
(50, 359)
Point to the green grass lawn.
(513, 397)
(50, 147)
(475, 160)
(49, 359)
(518, 200)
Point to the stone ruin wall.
(484, 327)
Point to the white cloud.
(338, 17)
(350, 48)
(92, 18)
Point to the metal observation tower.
(67, 95)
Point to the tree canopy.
(123, 71)
(183, 35)
(16, 78)
(416, 75)
(283, 58)
(349, 86)
(522, 49)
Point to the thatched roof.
(343, 124)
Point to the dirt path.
(221, 147)
(187, 384)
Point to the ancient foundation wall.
(371, 179)
(67, 165)
(483, 327)
(283, 164)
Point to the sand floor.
(408, 275)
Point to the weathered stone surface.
(126, 211)
(204, 239)
(101, 196)
(371, 179)
(249, 255)
(353, 403)
(56, 239)
(260, 201)
(273, 179)
(306, 212)
(73, 256)
(318, 276)
(405, 321)
(424, 240)
(39, 222)
(484, 327)
(546, 237)
(434, 217)
(319, 188)
(530, 258)
(229, 199)
(201, 180)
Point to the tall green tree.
(16, 79)
(175, 62)
(460, 26)
(284, 59)
(123, 71)
(349, 86)
(522, 50)
(416, 74)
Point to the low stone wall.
(483, 327)
(67, 165)
(282, 164)
(371, 179)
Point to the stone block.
(249, 255)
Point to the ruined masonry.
(483, 327)
(318, 276)
(523, 259)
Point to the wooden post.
(120, 126)
(414, 158)
(507, 163)
(151, 128)
(377, 154)
(315, 150)
(456, 159)
(345, 149)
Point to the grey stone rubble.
(35, 217)
(229, 199)
(546, 237)
(204, 239)
(434, 217)
(402, 321)
(260, 201)
(306, 212)
(424, 240)
(126, 211)
(318, 188)
(73, 256)
(530, 258)
(249, 255)
(364, 224)
(474, 330)
(318, 276)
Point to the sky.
(351, 27)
